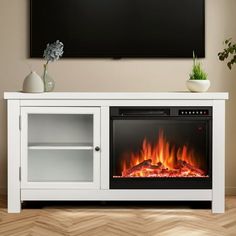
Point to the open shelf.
(60, 146)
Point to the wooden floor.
(56, 219)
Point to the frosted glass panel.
(60, 128)
(60, 165)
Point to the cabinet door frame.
(25, 111)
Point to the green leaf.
(229, 65)
(228, 53)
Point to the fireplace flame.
(162, 160)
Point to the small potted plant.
(229, 53)
(198, 81)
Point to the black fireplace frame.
(176, 113)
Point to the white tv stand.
(48, 132)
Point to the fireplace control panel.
(161, 111)
(194, 112)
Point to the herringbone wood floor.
(112, 220)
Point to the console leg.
(13, 199)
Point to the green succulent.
(229, 53)
(197, 71)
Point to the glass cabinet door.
(60, 147)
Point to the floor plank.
(117, 219)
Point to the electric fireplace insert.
(160, 147)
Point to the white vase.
(33, 83)
(198, 85)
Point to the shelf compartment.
(60, 166)
(60, 128)
(60, 146)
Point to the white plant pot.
(33, 83)
(198, 85)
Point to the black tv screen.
(119, 28)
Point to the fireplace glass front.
(160, 147)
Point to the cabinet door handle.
(97, 149)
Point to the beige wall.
(121, 75)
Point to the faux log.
(160, 170)
(183, 164)
(144, 164)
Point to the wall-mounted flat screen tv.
(119, 28)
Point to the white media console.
(58, 146)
